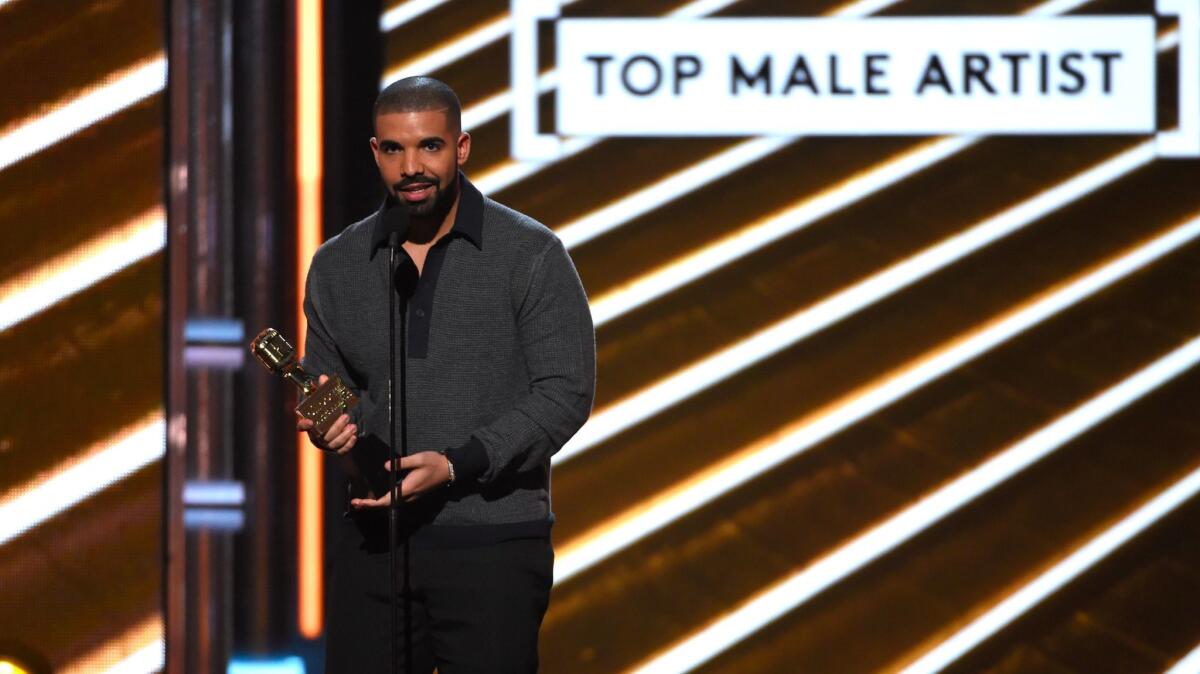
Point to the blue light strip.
(214, 331)
(288, 665)
(214, 519)
(214, 493)
(214, 357)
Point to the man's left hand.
(427, 471)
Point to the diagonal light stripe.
(755, 236)
(491, 108)
(496, 29)
(749, 462)
(116, 651)
(146, 660)
(80, 477)
(1168, 40)
(81, 267)
(668, 189)
(117, 92)
(1079, 561)
(511, 172)
(1056, 7)
(792, 591)
(862, 8)
(1188, 664)
(450, 52)
(404, 12)
(700, 8)
(500, 104)
(702, 374)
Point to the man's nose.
(411, 165)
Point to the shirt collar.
(468, 221)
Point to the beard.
(437, 205)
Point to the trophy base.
(327, 403)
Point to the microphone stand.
(394, 507)
(393, 243)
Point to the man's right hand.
(339, 438)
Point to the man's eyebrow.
(433, 139)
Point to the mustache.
(415, 180)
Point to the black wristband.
(470, 460)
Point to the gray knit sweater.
(501, 358)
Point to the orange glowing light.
(308, 237)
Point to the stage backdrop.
(896, 311)
(895, 306)
(82, 228)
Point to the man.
(500, 374)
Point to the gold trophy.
(323, 403)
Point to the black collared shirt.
(468, 225)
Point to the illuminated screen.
(895, 306)
(81, 431)
(895, 321)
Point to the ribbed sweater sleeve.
(558, 342)
(320, 350)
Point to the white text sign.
(732, 76)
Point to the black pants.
(473, 609)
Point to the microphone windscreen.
(395, 221)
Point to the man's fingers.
(322, 379)
(406, 463)
(408, 486)
(365, 503)
(304, 424)
(337, 428)
(348, 446)
(343, 437)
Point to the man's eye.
(433, 146)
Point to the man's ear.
(375, 149)
(464, 147)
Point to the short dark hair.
(418, 94)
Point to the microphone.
(395, 228)
(395, 224)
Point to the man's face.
(418, 155)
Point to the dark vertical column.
(175, 393)
(205, 344)
(210, 296)
(265, 559)
(353, 67)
